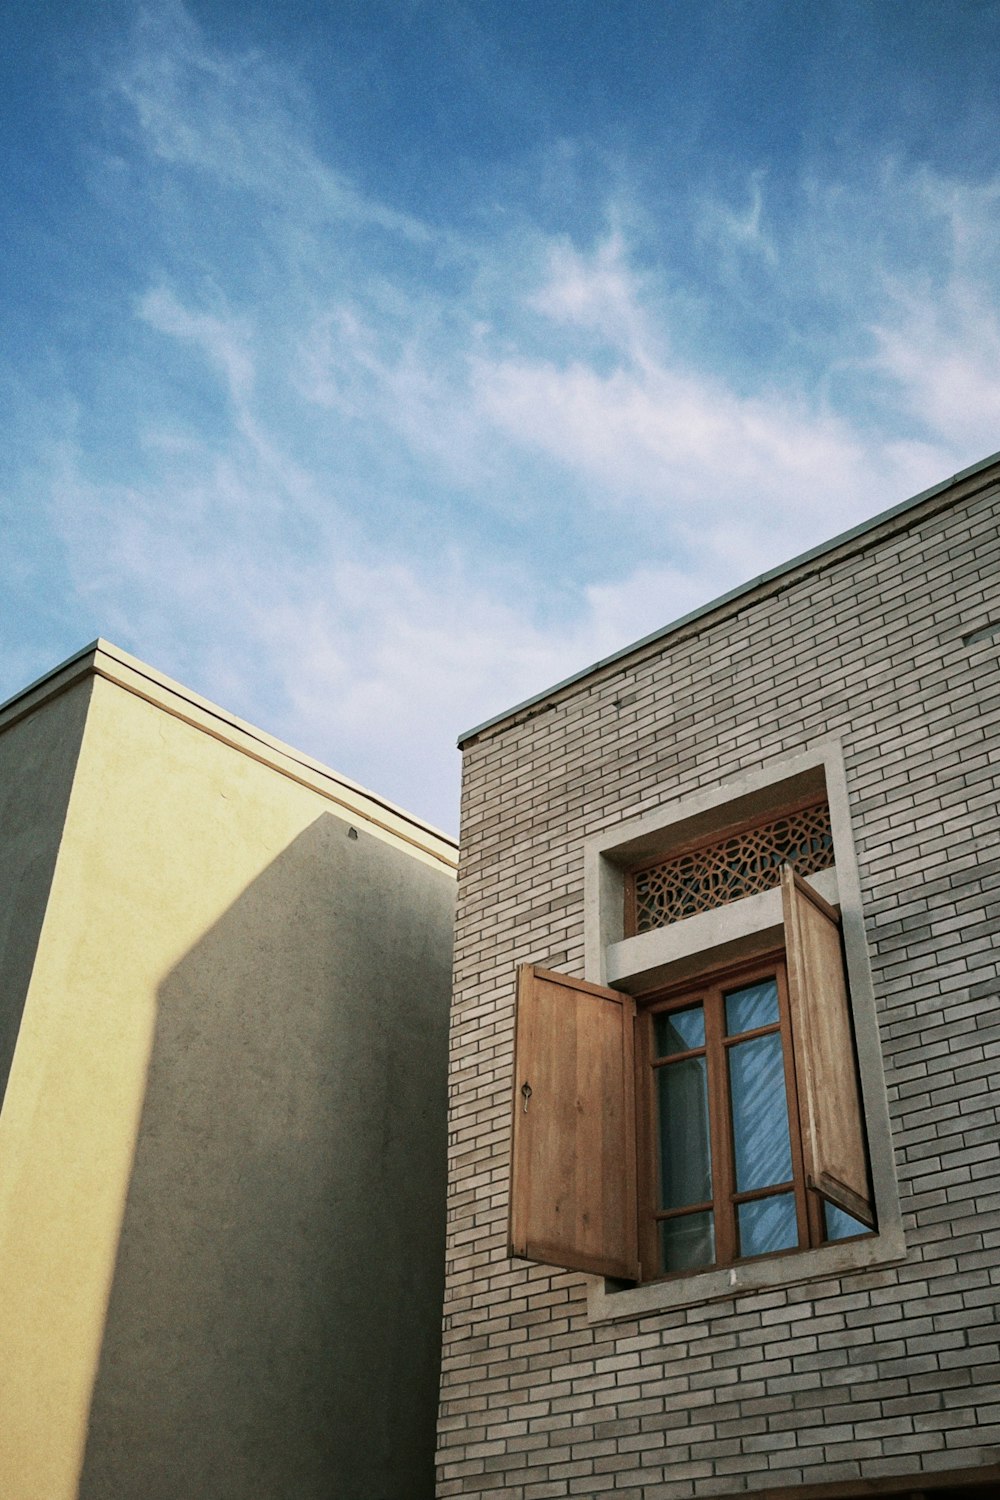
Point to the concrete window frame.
(743, 930)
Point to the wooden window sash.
(721, 1128)
(711, 995)
(826, 1123)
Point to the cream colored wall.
(167, 832)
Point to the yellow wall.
(169, 832)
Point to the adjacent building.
(723, 1198)
(224, 982)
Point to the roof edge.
(703, 610)
(47, 679)
(101, 658)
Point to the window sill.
(608, 1300)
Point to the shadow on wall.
(38, 757)
(274, 1321)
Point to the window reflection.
(679, 1031)
(762, 1146)
(756, 1005)
(687, 1242)
(767, 1225)
(685, 1151)
(840, 1225)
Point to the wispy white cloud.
(600, 292)
(739, 228)
(672, 438)
(943, 352)
(225, 342)
(239, 119)
(447, 471)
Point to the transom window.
(743, 863)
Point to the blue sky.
(370, 366)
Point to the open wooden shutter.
(573, 1174)
(833, 1134)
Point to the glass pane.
(687, 1242)
(678, 1031)
(760, 1113)
(768, 1224)
(685, 1153)
(841, 1225)
(756, 1005)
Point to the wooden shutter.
(573, 1177)
(833, 1134)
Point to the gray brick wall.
(878, 1373)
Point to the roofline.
(103, 659)
(735, 593)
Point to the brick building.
(746, 872)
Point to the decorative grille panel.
(740, 865)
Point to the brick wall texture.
(875, 1373)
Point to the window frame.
(742, 932)
(711, 991)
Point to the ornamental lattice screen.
(741, 864)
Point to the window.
(720, 1159)
(579, 1201)
(711, 1123)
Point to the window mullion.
(723, 1172)
(806, 1221)
(646, 1149)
